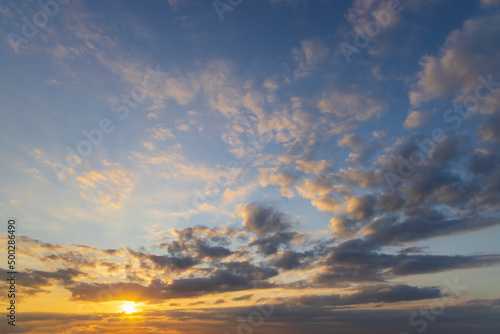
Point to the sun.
(128, 307)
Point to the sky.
(251, 166)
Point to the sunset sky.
(252, 166)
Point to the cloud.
(244, 297)
(344, 227)
(170, 264)
(269, 244)
(353, 105)
(235, 276)
(490, 129)
(312, 167)
(108, 189)
(415, 119)
(35, 282)
(369, 294)
(322, 186)
(468, 53)
(387, 231)
(262, 220)
(292, 319)
(289, 259)
(361, 11)
(161, 133)
(313, 52)
(490, 3)
(357, 260)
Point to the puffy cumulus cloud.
(262, 220)
(353, 105)
(170, 264)
(352, 141)
(363, 178)
(468, 53)
(270, 244)
(458, 178)
(312, 167)
(192, 245)
(361, 11)
(289, 259)
(415, 119)
(344, 227)
(108, 189)
(359, 207)
(270, 176)
(362, 149)
(326, 204)
(322, 186)
(313, 51)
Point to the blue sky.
(264, 135)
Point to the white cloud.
(415, 119)
(468, 52)
(354, 104)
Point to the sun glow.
(129, 307)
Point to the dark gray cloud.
(369, 294)
(33, 282)
(490, 129)
(290, 259)
(244, 297)
(270, 244)
(232, 276)
(458, 318)
(164, 262)
(262, 219)
(391, 231)
(357, 260)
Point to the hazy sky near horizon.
(333, 165)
